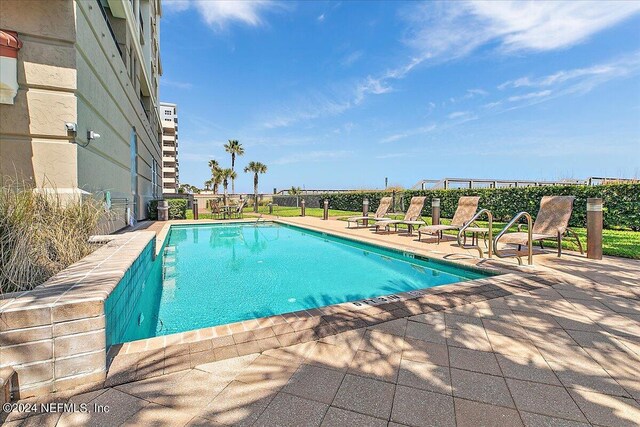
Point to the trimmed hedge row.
(621, 201)
(177, 209)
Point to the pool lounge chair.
(467, 207)
(381, 213)
(237, 211)
(216, 212)
(411, 218)
(551, 223)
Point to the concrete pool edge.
(54, 336)
(164, 355)
(170, 353)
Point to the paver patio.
(567, 353)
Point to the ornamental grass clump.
(41, 233)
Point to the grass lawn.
(622, 243)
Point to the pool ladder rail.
(514, 252)
(462, 236)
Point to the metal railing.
(529, 238)
(490, 231)
(106, 20)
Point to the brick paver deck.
(566, 353)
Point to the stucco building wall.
(70, 70)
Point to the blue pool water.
(217, 274)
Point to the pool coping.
(184, 350)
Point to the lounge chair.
(237, 211)
(216, 212)
(467, 207)
(381, 213)
(411, 218)
(551, 223)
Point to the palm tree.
(235, 149)
(216, 180)
(256, 168)
(294, 190)
(214, 166)
(226, 175)
(207, 185)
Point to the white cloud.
(492, 104)
(445, 31)
(312, 156)
(619, 67)
(351, 58)
(313, 106)
(219, 13)
(408, 133)
(321, 18)
(370, 85)
(473, 92)
(530, 95)
(164, 81)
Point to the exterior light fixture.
(9, 47)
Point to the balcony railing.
(106, 20)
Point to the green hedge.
(177, 209)
(621, 201)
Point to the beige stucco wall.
(69, 70)
(34, 145)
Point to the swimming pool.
(217, 274)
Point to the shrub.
(621, 201)
(42, 233)
(177, 209)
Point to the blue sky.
(344, 94)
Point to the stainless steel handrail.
(471, 221)
(529, 237)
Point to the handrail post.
(530, 239)
(302, 207)
(325, 214)
(490, 216)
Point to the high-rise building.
(79, 98)
(170, 171)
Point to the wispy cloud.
(351, 58)
(585, 77)
(370, 86)
(408, 133)
(462, 116)
(450, 30)
(164, 81)
(312, 156)
(444, 31)
(313, 106)
(530, 95)
(219, 13)
(321, 18)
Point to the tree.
(215, 175)
(207, 185)
(216, 180)
(234, 148)
(256, 168)
(226, 175)
(294, 191)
